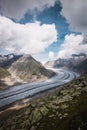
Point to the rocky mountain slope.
(64, 109)
(76, 63)
(3, 73)
(28, 69)
(22, 69)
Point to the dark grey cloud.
(75, 12)
(17, 8)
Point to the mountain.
(81, 67)
(3, 73)
(5, 76)
(22, 69)
(28, 69)
(77, 63)
(7, 60)
(49, 64)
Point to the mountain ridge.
(76, 63)
(24, 69)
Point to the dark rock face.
(7, 60)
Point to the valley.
(56, 96)
(29, 90)
(64, 108)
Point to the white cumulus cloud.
(72, 45)
(17, 8)
(30, 38)
(51, 54)
(75, 12)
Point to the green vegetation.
(64, 109)
(4, 73)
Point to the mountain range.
(21, 69)
(76, 63)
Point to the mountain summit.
(28, 69)
(23, 69)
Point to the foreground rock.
(64, 109)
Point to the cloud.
(72, 45)
(51, 54)
(30, 38)
(75, 12)
(17, 8)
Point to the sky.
(46, 29)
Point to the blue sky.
(58, 22)
(49, 16)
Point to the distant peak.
(27, 55)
